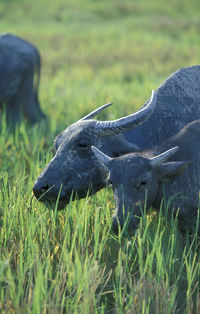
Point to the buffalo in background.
(19, 79)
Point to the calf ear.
(170, 170)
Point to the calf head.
(135, 180)
(74, 170)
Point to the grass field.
(93, 52)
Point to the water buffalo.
(74, 168)
(19, 79)
(79, 163)
(145, 179)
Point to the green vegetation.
(93, 52)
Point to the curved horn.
(157, 160)
(95, 112)
(103, 158)
(126, 123)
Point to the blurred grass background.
(93, 52)
(99, 51)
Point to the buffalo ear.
(169, 171)
(122, 147)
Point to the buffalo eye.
(141, 184)
(83, 144)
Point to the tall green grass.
(71, 261)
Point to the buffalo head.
(75, 170)
(136, 180)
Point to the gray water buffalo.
(74, 170)
(74, 166)
(144, 179)
(19, 79)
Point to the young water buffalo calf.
(145, 178)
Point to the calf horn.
(126, 123)
(157, 160)
(103, 158)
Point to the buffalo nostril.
(39, 189)
(44, 189)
